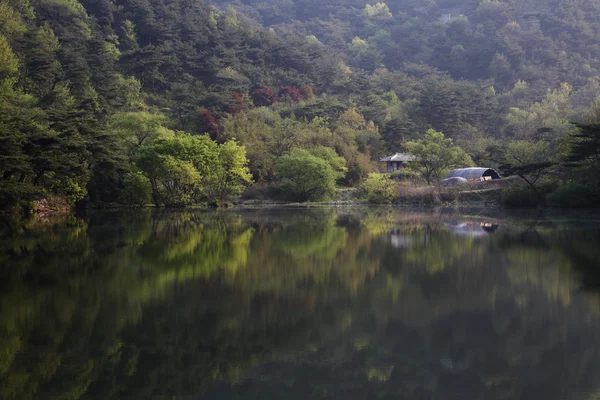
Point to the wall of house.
(394, 166)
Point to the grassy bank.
(409, 194)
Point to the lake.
(321, 303)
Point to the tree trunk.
(155, 196)
(38, 177)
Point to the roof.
(473, 173)
(454, 181)
(399, 157)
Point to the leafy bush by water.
(519, 195)
(379, 188)
(406, 174)
(305, 177)
(574, 196)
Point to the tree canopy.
(435, 155)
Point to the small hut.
(397, 161)
(474, 174)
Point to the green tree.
(305, 177)
(549, 117)
(435, 155)
(175, 182)
(584, 154)
(137, 189)
(500, 70)
(231, 175)
(529, 160)
(187, 169)
(254, 130)
(337, 163)
(378, 10)
(29, 149)
(9, 64)
(42, 62)
(176, 167)
(139, 127)
(12, 23)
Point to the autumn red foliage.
(307, 92)
(289, 94)
(207, 123)
(263, 97)
(239, 104)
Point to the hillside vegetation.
(180, 102)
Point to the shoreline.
(267, 204)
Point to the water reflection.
(298, 304)
(472, 228)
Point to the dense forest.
(180, 102)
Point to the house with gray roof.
(397, 161)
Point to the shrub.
(519, 195)
(547, 186)
(136, 189)
(407, 174)
(574, 196)
(263, 191)
(379, 188)
(69, 190)
(305, 177)
(421, 195)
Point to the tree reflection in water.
(321, 303)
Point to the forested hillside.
(109, 101)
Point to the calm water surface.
(300, 304)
